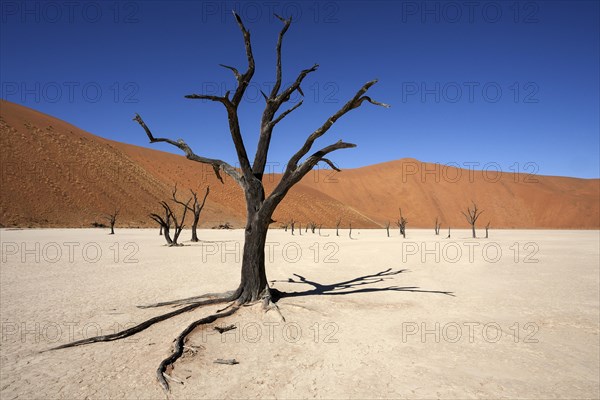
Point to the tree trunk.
(160, 232)
(473, 228)
(167, 235)
(254, 278)
(195, 227)
(112, 229)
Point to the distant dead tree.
(285, 226)
(448, 237)
(165, 223)
(248, 174)
(169, 218)
(350, 233)
(401, 222)
(438, 225)
(472, 215)
(313, 227)
(337, 227)
(292, 224)
(487, 228)
(112, 218)
(300, 228)
(195, 208)
(387, 228)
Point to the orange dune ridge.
(57, 175)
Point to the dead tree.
(472, 215)
(313, 227)
(387, 228)
(350, 233)
(112, 218)
(448, 237)
(160, 231)
(337, 227)
(165, 223)
(249, 176)
(487, 228)
(401, 222)
(292, 223)
(438, 225)
(300, 228)
(195, 208)
(171, 217)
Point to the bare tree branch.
(355, 102)
(218, 165)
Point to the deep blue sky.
(527, 73)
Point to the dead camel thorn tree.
(337, 227)
(112, 219)
(195, 209)
(401, 222)
(472, 215)
(438, 225)
(487, 228)
(253, 286)
(171, 217)
(387, 228)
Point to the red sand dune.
(53, 174)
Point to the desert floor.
(521, 321)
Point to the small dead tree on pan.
(438, 225)
(472, 215)
(112, 219)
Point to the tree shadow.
(353, 286)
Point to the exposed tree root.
(190, 300)
(225, 328)
(140, 327)
(232, 361)
(161, 372)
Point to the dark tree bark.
(337, 227)
(171, 217)
(487, 228)
(112, 219)
(401, 222)
(165, 222)
(438, 225)
(160, 232)
(195, 209)
(471, 216)
(249, 176)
